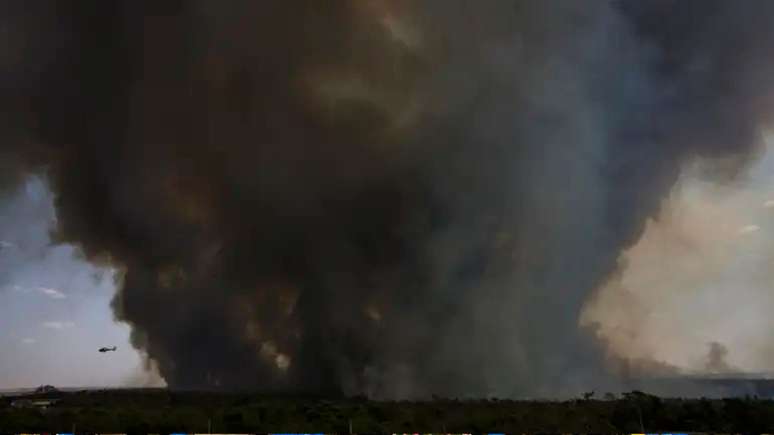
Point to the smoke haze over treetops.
(384, 197)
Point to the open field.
(143, 411)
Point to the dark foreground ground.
(160, 411)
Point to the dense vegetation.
(144, 411)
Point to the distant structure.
(41, 404)
(45, 389)
(42, 398)
(711, 386)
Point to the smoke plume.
(716, 358)
(388, 198)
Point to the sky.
(54, 307)
(701, 273)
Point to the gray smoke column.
(389, 198)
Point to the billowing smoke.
(716, 358)
(382, 197)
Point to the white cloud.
(18, 289)
(769, 203)
(747, 229)
(52, 293)
(58, 325)
(28, 340)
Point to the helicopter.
(107, 349)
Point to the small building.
(34, 403)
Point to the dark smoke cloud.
(304, 198)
